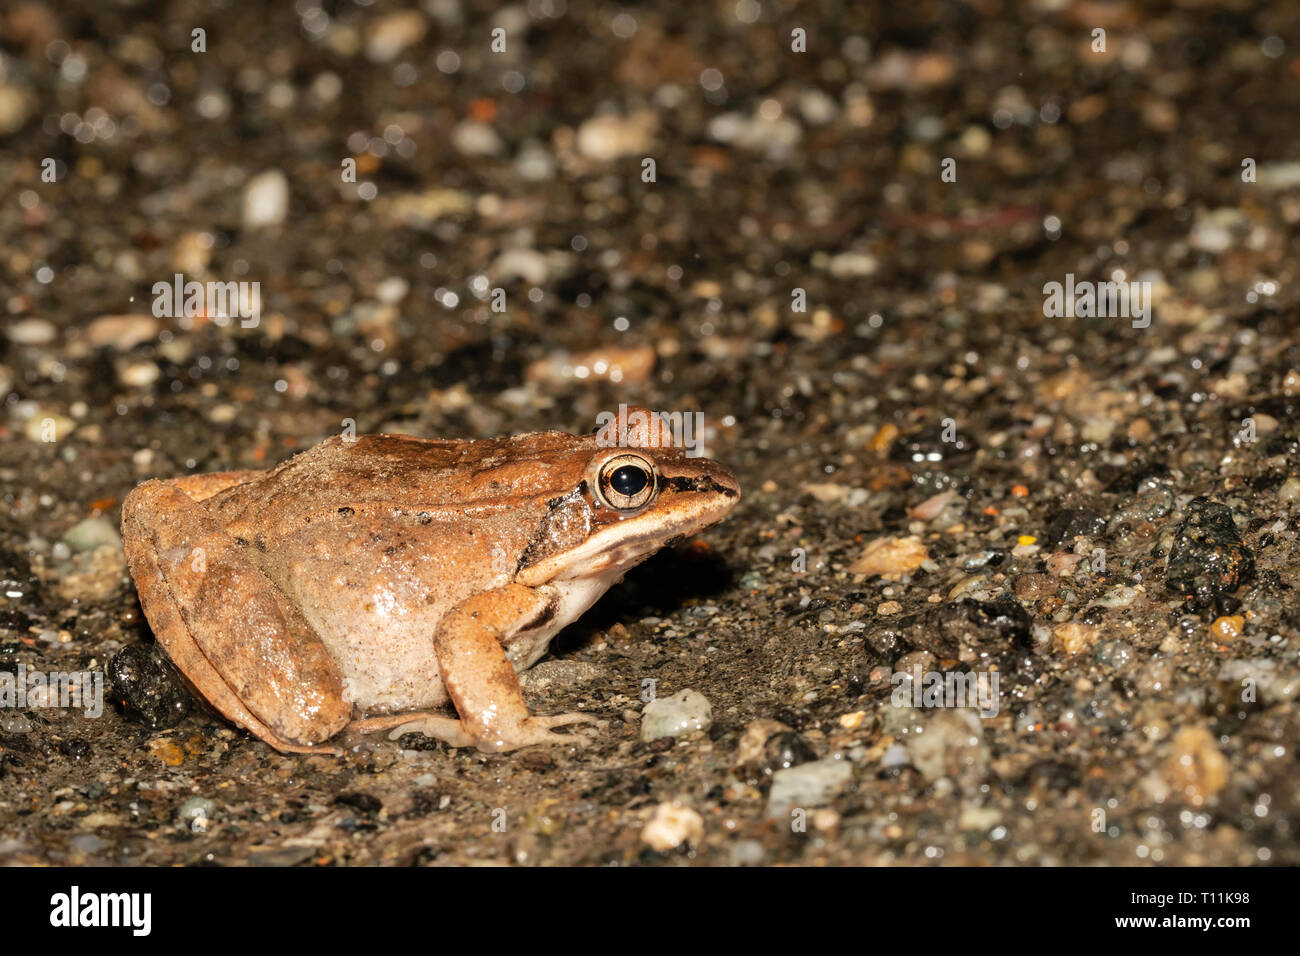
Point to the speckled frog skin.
(365, 581)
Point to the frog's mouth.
(606, 552)
(615, 542)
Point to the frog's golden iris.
(627, 482)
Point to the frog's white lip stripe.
(611, 540)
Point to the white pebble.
(671, 826)
(122, 332)
(139, 374)
(476, 139)
(32, 332)
(807, 785)
(266, 200)
(676, 716)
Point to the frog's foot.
(533, 731)
(536, 731)
(438, 727)
(529, 732)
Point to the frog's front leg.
(481, 680)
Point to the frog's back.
(405, 473)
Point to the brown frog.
(368, 580)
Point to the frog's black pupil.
(629, 480)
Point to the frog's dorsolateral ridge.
(365, 581)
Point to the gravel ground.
(941, 474)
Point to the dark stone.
(1127, 480)
(17, 577)
(1286, 445)
(784, 750)
(1208, 560)
(1052, 775)
(971, 623)
(148, 685)
(887, 644)
(74, 748)
(1075, 522)
(363, 802)
(927, 445)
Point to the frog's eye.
(627, 482)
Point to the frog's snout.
(729, 482)
(704, 476)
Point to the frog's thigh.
(479, 677)
(243, 645)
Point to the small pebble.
(1196, 769)
(32, 332)
(391, 34)
(671, 826)
(92, 533)
(1074, 637)
(194, 809)
(266, 200)
(808, 785)
(747, 853)
(609, 136)
(685, 712)
(122, 332)
(1228, 628)
(16, 106)
(534, 162)
(14, 724)
(139, 374)
(392, 290)
(891, 558)
(951, 744)
(473, 138)
(621, 366)
(526, 264)
(48, 427)
(850, 265)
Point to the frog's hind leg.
(238, 640)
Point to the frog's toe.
(538, 731)
(564, 720)
(447, 729)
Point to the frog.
(375, 582)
